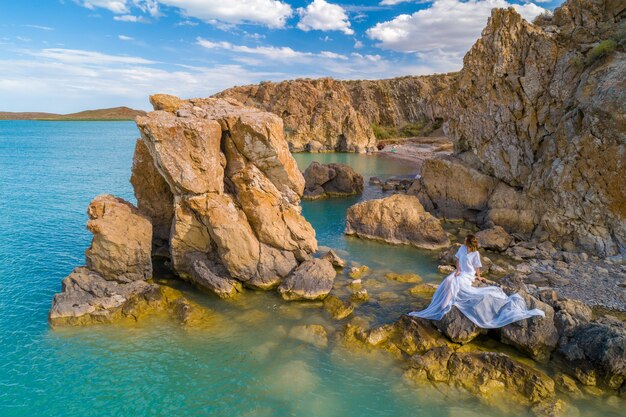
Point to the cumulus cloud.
(321, 15)
(272, 13)
(277, 53)
(125, 38)
(444, 31)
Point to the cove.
(243, 361)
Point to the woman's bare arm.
(458, 269)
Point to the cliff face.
(532, 109)
(318, 114)
(537, 112)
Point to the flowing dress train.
(487, 307)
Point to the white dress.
(487, 307)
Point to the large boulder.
(596, 353)
(331, 180)
(222, 176)
(312, 280)
(457, 327)
(122, 240)
(495, 238)
(536, 336)
(398, 219)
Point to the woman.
(487, 307)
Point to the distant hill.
(115, 113)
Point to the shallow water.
(242, 363)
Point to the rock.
(375, 181)
(596, 353)
(154, 198)
(334, 259)
(224, 180)
(379, 335)
(312, 280)
(487, 375)
(360, 295)
(122, 240)
(423, 290)
(399, 219)
(457, 327)
(567, 385)
(357, 272)
(408, 277)
(569, 315)
(414, 335)
(447, 256)
(202, 274)
(313, 334)
(88, 298)
(496, 239)
(457, 190)
(491, 375)
(337, 308)
(331, 180)
(537, 336)
(445, 269)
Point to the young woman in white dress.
(487, 307)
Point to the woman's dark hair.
(471, 242)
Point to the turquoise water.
(242, 363)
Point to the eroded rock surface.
(331, 180)
(398, 219)
(122, 237)
(234, 190)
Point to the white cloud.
(125, 38)
(392, 2)
(129, 18)
(46, 28)
(272, 13)
(36, 84)
(78, 56)
(115, 6)
(358, 44)
(321, 15)
(277, 53)
(443, 32)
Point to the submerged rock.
(312, 280)
(337, 308)
(399, 219)
(331, 180)
(313, 334)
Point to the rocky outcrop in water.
(232, 194)
(398, 219)
(331, 180)
(538, 118)
(113, 284)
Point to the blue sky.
(69, 55)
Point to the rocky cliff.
(328, 114)
(537, 113)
